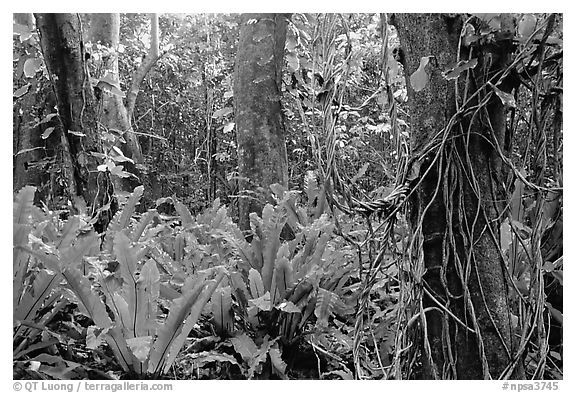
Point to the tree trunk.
(262, 158)
(105, 29)
(63, 48)
(28, 146)
(455, 204)
(151, 57)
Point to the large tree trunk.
(456, 202)
(63, 48)
(28, 146)
(262, 158)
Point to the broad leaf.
(462, 66)
(506, 98)
(32, 66)
(90, 302)
(283, 277)
(148, 293)
(245, 346)
(256, 285)
(184, 312)
(277, 362)
(121, 220)
(325, 303)
(262, 303)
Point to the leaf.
(556, 314)
(222, 310)
(126, 257)
(288, 307)
(33, 299)
(76, 133)
(277, 362)
(516, 207)
(184, 312)
(142, 224)
(256, 285)
(245, 346)
(140, 347)
(526, 26)
(46, 119)
(506, 98)
(148, 293)
(74, 255)
(32, 66)
(505, 235)
(419, 79)
(228, 128)
(117, 342)
(90, 302)
(22, 31)
(121, 220)
(283, 276)
(492, 19)
(325, 303)
(21, 91)
(293, 61)
(272, 224)
(23, 205)
(240, 290)
(462, 66)
(200, 359)
(119, 156)
(183, 212)
(260, 357)
(222, 112)
(69, 233)
(47, 132)
(119, 171)
(262, 303)
(94, 337)
(360, 173)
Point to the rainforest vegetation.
(287, 196)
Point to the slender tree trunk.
(63, 48)
(456, 201)
(262, 158)
(105, 29)
(151, 57)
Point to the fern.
(122, 218)
(256, 285)
(184, 312)
(148, 292)
(325, 303)
(90, 302)
(283, 275)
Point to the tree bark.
(63, 48)
(262, 158)
(151, 57)
(465, 272)
(28, 146)
(105, 29)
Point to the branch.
(151, 58)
